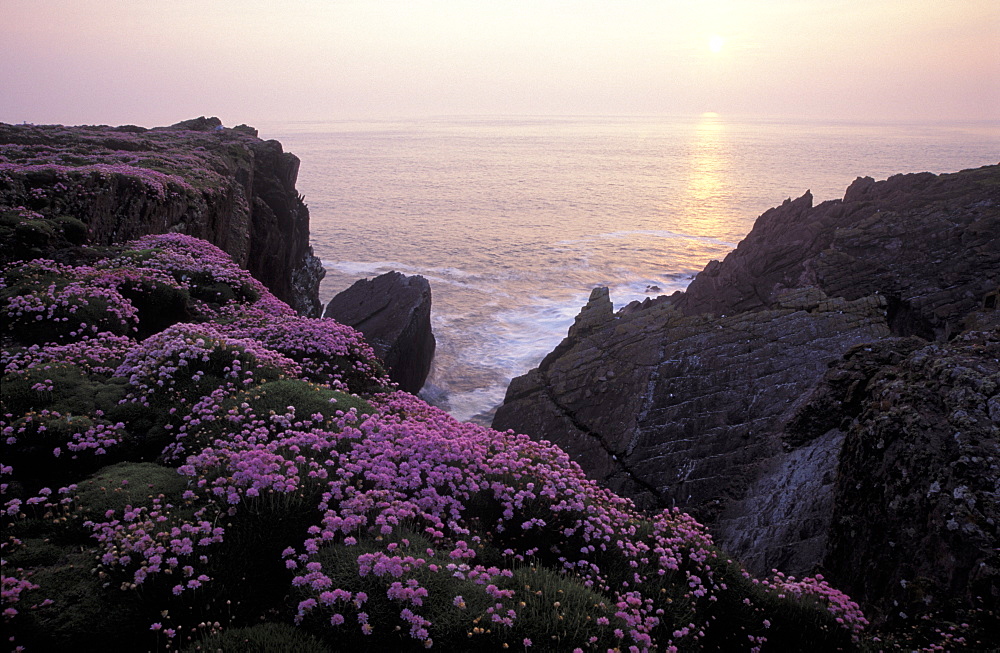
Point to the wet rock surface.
(734, 400)
(393, 311)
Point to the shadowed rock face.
(393, 311)
(734, 400)
(280, 254)
(223, 185)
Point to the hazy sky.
(156, 62)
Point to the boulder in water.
(393, 311)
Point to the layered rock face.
(393, 311)
(734, 399)
(223, 185)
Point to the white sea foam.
(464, 406)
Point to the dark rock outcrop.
(196, 177)
(734, 399)
(916, 509)
(393, 311)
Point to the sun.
(715, 43)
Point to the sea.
(515, 220)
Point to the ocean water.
(514, 221)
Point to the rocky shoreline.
(791, 396)
(180, 436)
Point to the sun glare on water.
(715, 43)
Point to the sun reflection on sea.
(708, 165)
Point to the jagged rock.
(598, 311)
(675, 409)
(733, 400)
(196, 177)
(393, 311)
(915, 239)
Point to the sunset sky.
(152, 63)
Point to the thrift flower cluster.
(79, 302)
(164, 162)
(93, 355)
(167, 364)
(382, 520)
(322, 347)
(156, 184)
(150, 541)
(188, 258)
(846, 611)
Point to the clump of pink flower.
(329, 352)
(170, 362)
(847, 613)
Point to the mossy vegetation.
(276, 397)
(119, 486)
(25, 233)
(263, 638)
(84, 614)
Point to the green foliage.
(558, 611)
(265, 525)
(263, 638)
(40, 437)
(54, 405)
(23, 237)
(26, 278)
(792, 623)
(129, 484)
(207, 288)
(553, 609)
(74, 391)
(272, 398)
(307, 399)
(137, 256)
(159, 305)
(83, 611)
(146, 427)
(73, 230)
(34, 234)
(389, 633)
(34, 552)
(63, 323)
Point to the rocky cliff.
(808, 395)
(63, 186)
